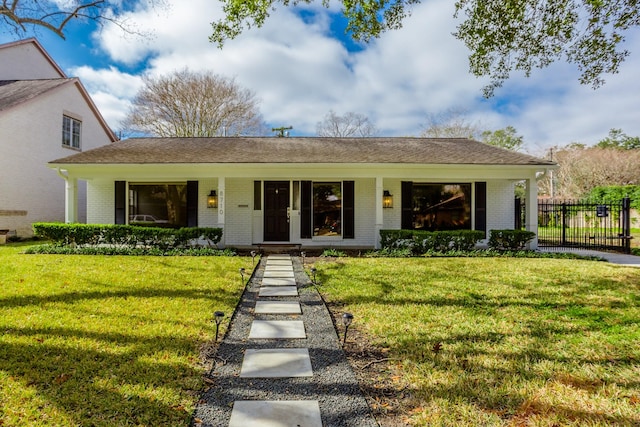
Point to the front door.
(276, 211)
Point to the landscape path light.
(313, 273)
(217, 317)
(302, 254)
(253, 258)
(347, 318)
(242, 271)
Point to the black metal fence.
(582, 224)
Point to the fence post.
(626, 224)
(563, 241)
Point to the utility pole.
(281, 131)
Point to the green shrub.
(421, 242)
(509, 240)
(336, 253)
(130, 236)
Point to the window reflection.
(327, 208)
(158, 205)
(441, 206)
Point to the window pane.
(66, 131)
(441, 206)
(327, 208)
(158, 205)
(76, 133)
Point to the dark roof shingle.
(14, 92)
(301, 150)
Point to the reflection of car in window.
(146, 219)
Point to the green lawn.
(107, 341)
(538, 342)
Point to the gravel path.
(333, 383)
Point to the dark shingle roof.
(301, 150)
(14, 92)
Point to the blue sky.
(301, 66)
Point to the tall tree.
(505, 138)
(348, 125)
(452, 123)
(189, 104)
(56, 15)
(502, 35)
(618, 139)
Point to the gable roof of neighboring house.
(294, 150)
(39, 47)
(15, 92)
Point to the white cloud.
(300, 72)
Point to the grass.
(107, 341)
(497, 342)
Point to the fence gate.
(581, 224)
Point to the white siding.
(24, 61)
(500, 205)
(101, 205)
(238, 205)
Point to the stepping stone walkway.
(281, 363)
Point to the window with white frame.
(71, 132)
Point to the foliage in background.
(129, 236)
(504, 138)
(108, 341)
(494, 342)
(509, 240)
(620, 140)
(421, 242)
(615, 193)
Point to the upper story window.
(71, 132)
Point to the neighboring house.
(44, 115)
(315, 192)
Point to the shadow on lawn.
(105, 378)
(104, 386)
(530, 373)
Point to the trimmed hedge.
(130, 236)
(422, 242)
(509, 240)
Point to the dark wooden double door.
(276, 211)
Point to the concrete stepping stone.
(279, 262)
(278, 307)
(269, 273)
(276, 363)
(278, 281)
(278, 291)
(279, 256)
(271, 413)
(278, 268)
(277, 329)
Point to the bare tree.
(452, 123)
(348, 125)
(55, 16)
(190, 104)
(583, 168)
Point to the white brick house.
(315, 192)
(44, 115)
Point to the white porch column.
(379, 211)
(531, 216)
(221, 209)
(70, 197)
